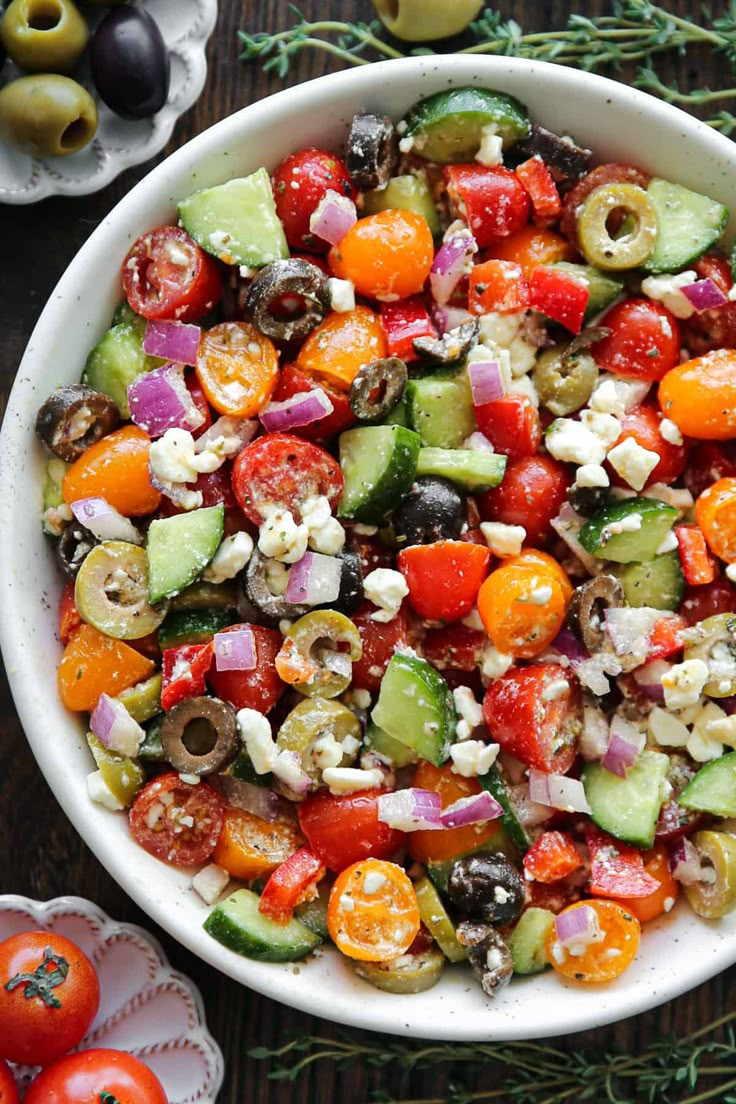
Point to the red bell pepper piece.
(455, 646)
(294, 881)
(541, 189)
(512, 425)
(491, 199)
(615, 869)
(497, 286)
(69, 616)
(698, 566)
(184, 670)
(444, 578)
(559, 295)
(552, 857)
(665, 638)
(402, 322)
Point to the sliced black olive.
(377, 388)
(561, 154)
(75, 543)
(293, 277)
(373, 151)
(351, 583)
(269, 606)
(200, 735)
(584, 340)
(487, 886)
(452, 347)
(433, 510)
(489, 957)
(588, 606)
(587, 500)
(73, 418)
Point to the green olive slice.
(313, 728)
(317, 637)
(123, 776)
(564, 380)
(200, 735)
(716, 895)
(634, 245)
(412, 973)
(111, 591)
(714, 641)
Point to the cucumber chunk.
(192, 627)
(415, 706)
(379, 464)
(494, 782)
(603, 287)
(117, 360)
(658, 583)
(377, 740)
(434, 917)
(447, 126)
(405, 193)
(471, 469)
(629, 531)
(237, 221)
(237, 924)
(713, 789)
(313, 914)
(179, 547)
(527, 941)
(441, 410)
(688, 225)
(627, 808)
(152, 749)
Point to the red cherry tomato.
(380, 639)
(716, 328)
(299, 184)
(343, 830)
(701, 602)
(644, 342)
(258, 689)
(642, 425)
(454, 646)
(512, 425)
(215, 487)
(444, 578)
(167, 275)
(531, 494)
(708, 462)
(96, 1075)
(540, 729)
(552, 857)
(8, 1088)
(283, 470)
(185, 830)
(69, 617)
(491, 199)
(294, 381)
(49, 996)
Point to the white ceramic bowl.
(619, 123)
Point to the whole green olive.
(44, 35)
(47, 115)
(424, 20)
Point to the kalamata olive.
(44, 35)
(587, 500)
(567, 159)
(489, 957)
(200, 735)
(487, 886)
(372, 151)
(377, 388)
(75, 543)
(293, 277)
(130, 63)
(351, 583)
(434, 510)
(73, 418)
(47, 115)
(452, 347)
(588, 606)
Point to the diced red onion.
(104, 521)
(236, 432)
(568, 645)
(451, 263)
(314, 580)
(235, 651)
(471, 810)
(159, 400)
(530, 813)
(113, 726)
(576, 926)
(685, 863)
(446, 318)
(567, 525)
(557, 791)
(649, 679)
(300, 410)
(629, 628)
(177, 341)
(288, 769)
(334, 215)
(410, 810)
(704, 295)
(621, 753)
(259, 800)
(485, 381)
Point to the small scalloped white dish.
(119, 143)
(145, 1008)
(619, 123)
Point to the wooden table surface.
(41, 855)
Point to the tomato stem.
(108, 1098)
(49, 974)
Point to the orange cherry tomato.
(116, 469)
(341, 345)
(531, 246)
(606, 959)
(387, 256)
(94, 664)
(250, 848)
(715, 513)
(373, 913)
(238, 368)
(523, 603)
(657, 866)
(538, 561)
(699, 396)
(428, 846)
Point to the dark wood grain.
(40, 854)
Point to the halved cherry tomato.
(97, 1076)
(498, 286)
(381, 920)
(523, 603)
(715, 328)
(176, 822)
(443, 578)
(167, 275)
(380, 639)
(706, 601)
(94, 664)
(116, 469)
(512, 425)
(698, 566)
(292, 882)
(642, 425)
(387, 255)
(532, 492)
(258, 689)
(699, 396)
(611, 173)
(535, 719)
(249, 847)
(656, 866)
(615, 869)
(715, 513)
(49, 996)
(707, 462)
(404, 321)
(531, 246)
(8, 1088)
(455, 646)
(541, 189)
(294, 381)
(552, 857)
(69, 617)
(428, 846)
(491, 199)
(300, 183)
(200, 401)
(238, 368)
(342, 830)
(621, 934)
(644, 342)
(184, 669)
(341, 345)
(282, 470)
(559, 295)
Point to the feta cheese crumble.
(386, 589)
(683, 684)
(503, 540)
(280, 538)
(633, 463)
(471, 758)
(255, 732)
(574, 443)
(667, 290)
(591, 475)
(469, 711)
(230, 558)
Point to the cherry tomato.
(530, 722)
(282, 470)
(200, 401)
(176, 822)
(258, 689)
(8, 1088)
(512, 425)
(429, 846)
(644, 342)
(238, 368)
(300, 183)
(715, 513)
(716, 328)
(531, 246)
(167, 275)
(69, 618)
(552, 857)
(610, 173)
(642, 425)
(523, 603)
(49, 996)
(343, 830)
(533, 490)
(378, 924)
(455, 646)
(294, 381)
(621, 933)
(706, 601)
(699, 396)
(250, 847)
(443, 578)
(292, 882)
(341, 345)
(116, 468)
(94, 1076)
(662, 899)
(380, 639)
(708, 462)
(94, 664)
(491, 199)
(387, 256)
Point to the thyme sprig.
(668, 1070)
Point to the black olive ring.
(202, 723)
(372, 151)
(290, 277)
(377, 388)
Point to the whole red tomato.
(49, 996)
(531, 494)
(94, 1076)
(299, 184)
(644, 342)
(8, 1089)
